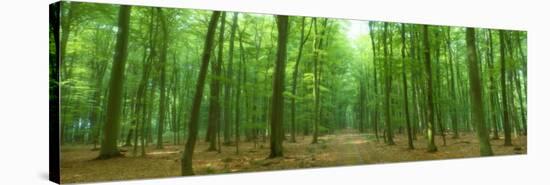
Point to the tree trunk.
(240, 81)
(214, 108)
(438, 86)
(187, 156)
(375, 80)
(111, 129)
(387, 90)
(228, 86)
(492, 88)
(303, 41)
(277, 110)
(504, 95)
(162, 65)
(520, 98)
(429, 91)
(318, 47)
(406, 101)
(478, 116)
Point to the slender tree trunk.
(187, 156)
(315, 79)
(361, 105)
(228, 86)
(387, 92)
(316, 74)
(175, 95)
(438, 86)
(303, 40)
(504, 95)
(240, 81)
(162, 65)
(429, 91)
(524, 66)
(406, 100)
(521, 106)
(130, 135)
(492, 88)
(214, 112)
(375, 80)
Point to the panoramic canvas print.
(146, 92)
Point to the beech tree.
(187, 157)
(276, 142)
(429, 91)
(109, 146)
(478, 117)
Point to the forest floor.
(347, 147)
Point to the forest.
(150, 92)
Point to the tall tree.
(240, 81)
(438, 86)
(478, 116)
(429, 90)
(375, 80)
(214, 112)
(187, 156)
(406, 97)
(492, 87)
(454, 109)
(228, 86)
(318, 47)
(277, 105)
(387, 89)
(303, 40)
(111, 128)
(504, 94)
(162, 72)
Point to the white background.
(24, 91)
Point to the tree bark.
(228, 86)
(187, 156)
(277, 110)
(162, 66)
(504, 95)
(214, 112)
(478, 116)
(111, 129)
(429, 91)
(387, 89)
(406, 101)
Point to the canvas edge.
(54, 103)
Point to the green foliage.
(347, 67)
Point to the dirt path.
(347, 143)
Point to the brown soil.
(344, 148)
